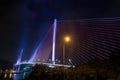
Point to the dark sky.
(24, 22)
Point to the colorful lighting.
(54, 40)
(20, 57)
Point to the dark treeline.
(93, 70)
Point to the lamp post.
(66, 40)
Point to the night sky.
(23, 23)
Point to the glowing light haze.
(33, 56)
(46, 47)
(20, 57)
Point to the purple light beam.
(20, 57)
(54, 40)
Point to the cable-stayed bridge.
(91, 39)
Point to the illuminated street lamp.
(66, 40)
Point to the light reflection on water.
(18, 76)
(15, 76)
